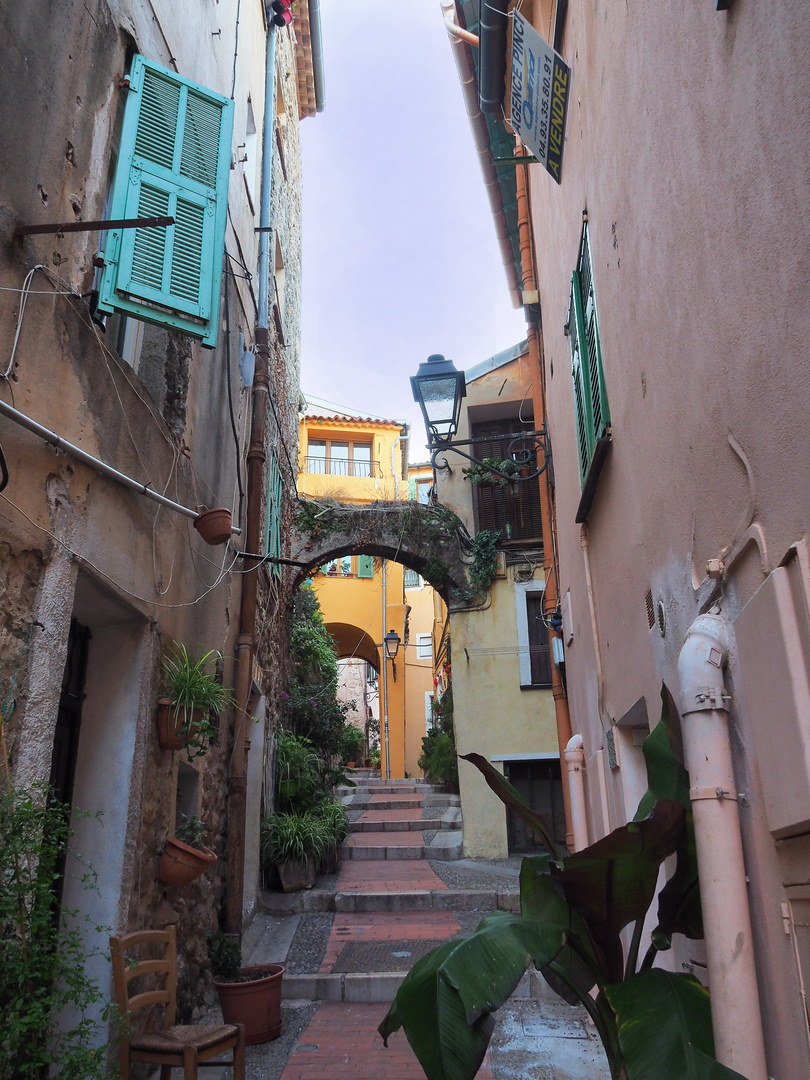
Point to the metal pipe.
(736, 1015)
(237, 787)
(316, 47)
(454, 29)
(469, 88)
(597, 646)
(95, 463)
(268, 133)
(574, 755)
(385, 674)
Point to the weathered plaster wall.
(687, 144)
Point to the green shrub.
(42, 960)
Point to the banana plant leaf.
(665, 1028)
(510, 798)
(570, 974)
(612, 882)
(446, 1001)
(679, 910)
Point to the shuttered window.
(514, 508)
(272, 521)
(592, 414)
(539, 649)
(174, 162)
(365, 566)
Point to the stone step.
(378, 845)
(394, 802)
(384, 789)
(408, 825)
(483, 900)
(381, 986)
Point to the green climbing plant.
(484, 559)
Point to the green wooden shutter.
(272, 520)
(579, 373)
(412, 490)
(175, 161)
(365, 566)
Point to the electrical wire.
(25, 291)
(235, 47)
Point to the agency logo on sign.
(541, 81)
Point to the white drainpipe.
(575, 762)
(736, 1016)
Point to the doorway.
(539, 784)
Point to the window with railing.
(336, 458)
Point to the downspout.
(561, 713)
(385, 674)
(736, 1016)
(316, 48)
(585, 543)
(575, 764)
(396, 479)
(237, 790)
(454, 29)
(469, 88)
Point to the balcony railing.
(342, 467)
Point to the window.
(423, 491)
(412, 579)
(534, 651)
(272, 523)
(174, 162)
(365, 566)
(424, 646)
(590, 395)
(513, 508)
(340, 458)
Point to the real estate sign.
(541, 81)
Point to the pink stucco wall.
(687, 142)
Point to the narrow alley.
(402, 889)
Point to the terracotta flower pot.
(330, 860)
(170, 727)
(182, 863)
(296, 874)
(214, 526)
(256, 1002)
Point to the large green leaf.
(665, 1028)
(679, 910)
(571, 975)
(612, 882)
(663, 755)
(510, 798)
(445, 1002)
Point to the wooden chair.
(183, 1046)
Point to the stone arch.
(429, 539)
(352, 642)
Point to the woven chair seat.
(174, 1039)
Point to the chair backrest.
(125, 970)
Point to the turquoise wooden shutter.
(175, 161)
(365, 566)
(272, 521)
(579, 374)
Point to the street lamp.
(438, 389)
(391, 645)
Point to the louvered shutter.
(412, 492)
(365, 566)
(175, 161)
(512, 509)
(272, 524)
(579, 374)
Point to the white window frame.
(522, 619)
(424, 646)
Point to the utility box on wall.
(773, 638)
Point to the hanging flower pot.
(214, 526)
(181, 863)
(173, 734)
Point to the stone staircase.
(390, 819)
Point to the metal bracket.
(700, 794)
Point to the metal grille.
(648, 599)
(342, 467)
(363, 956)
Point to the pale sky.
(399, 250)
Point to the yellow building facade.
(353, 458)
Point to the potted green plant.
(336, 827)
(299, 768)
(352, 742)
(247, 995)
(293, 844)
(193, 695)
(185, 856)
(500, 471)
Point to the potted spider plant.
(193, 695)
(299, 768)
(293, 844)
(247, 995)
(336, 829)
(185, 857)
